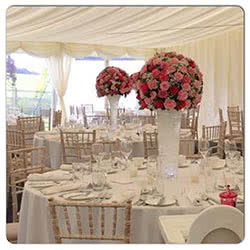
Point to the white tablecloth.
(51, 140)
(35, 226)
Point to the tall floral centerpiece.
(133, 78)
(113, 82)
(169, 83)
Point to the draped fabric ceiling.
(212, 36)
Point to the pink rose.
(191, 71)
(183, 69)
(144, 76)
(164, 65)
(182, 95)
(106, 78)
(144, 69)
(180, 56)
(162, 93)
(186, 79)
(123, 90)
(152, 84)
(113, 87)
(153, 94)
(197, 84)
(178, 76)
(197, 99)
(141, 94)
(184, 61)
(164, 85)
(138, 84)
(123, 85)
(171, 69)
(147, 100)
(156, 61)
(156, 73)
(200, 75)
(169, 104)
(186, 86)
(174, 60)
(187, 104)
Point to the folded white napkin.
(57, 175)
(61, 188)
(194, 198)
(128, 196)
(66, 167)
(122, 181)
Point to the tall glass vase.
(114, 104)
(168, 124)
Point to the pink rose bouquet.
(169, 81)
(133, 79)
(113, 81)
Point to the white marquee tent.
(212, 36)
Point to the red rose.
(173, 90)
(143, 104)
(144, 88)
(186, 79)
(150, 67)
(121, 78)
(163, 77)
(155, 73)
(191, 63)
(162, 94)
(181, 105)
(158, 104)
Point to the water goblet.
(126, 149)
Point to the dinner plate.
(154, 202)
(143, 166)
(217, 167)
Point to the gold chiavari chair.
(57, 118)
(45, 115)
(187, 147)
(89, 108)
(216, 137)
(94, 228)
(240, 140)
(190, 121)
(233, 108)
(30, 125)
(235, 125)
(21, 163)
(69, 140)
(14, 139)
(150, 143)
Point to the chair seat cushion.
(11, 231)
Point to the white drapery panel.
(59, 67)
(221, 61)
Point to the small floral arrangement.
(169, 81)
(133, 79)
(113, 81)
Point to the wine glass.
(97, 149)
(126, 149)
(203, 145)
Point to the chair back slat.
(101, 209)
(21, 163)
(70, 140)
(150, 142)
(66, 216)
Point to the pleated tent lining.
(113, 31)
(212, 36)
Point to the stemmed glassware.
(98, 149)
(126, 149)
(203, 145)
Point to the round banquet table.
(35, 225)
(51, 140)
